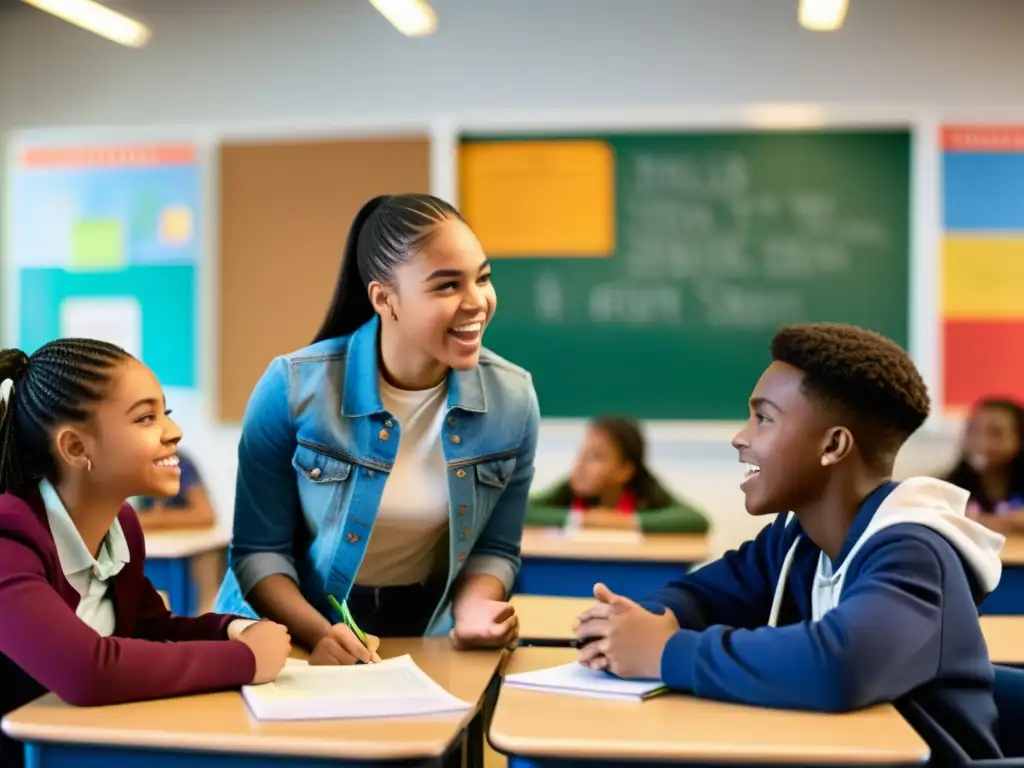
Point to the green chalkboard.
(720, 238)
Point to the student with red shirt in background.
(84, 426)
(611, 487)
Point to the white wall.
(317, 62)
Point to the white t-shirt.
(410, 533)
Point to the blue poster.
(107, 244)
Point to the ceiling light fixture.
(98, 19)
(414, 18)
(823, 15)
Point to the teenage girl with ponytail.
(389, 463)
(83, 427)
(611, 487)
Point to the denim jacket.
(316, 449)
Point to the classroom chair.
(1009, 696)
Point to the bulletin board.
(105, 241)
(285, 211)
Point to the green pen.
(346, 617)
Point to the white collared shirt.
(90, 576)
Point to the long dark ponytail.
(57, 384)
(386, 232)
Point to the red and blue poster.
(982, 263)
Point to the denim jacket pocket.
(495, 473)
(320, 468)
(492, 477)
(323, 486)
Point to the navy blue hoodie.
(893, 619)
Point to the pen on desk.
(346, 618)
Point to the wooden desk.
(1004, 636)
(541, 729)
(1008, 598)
(547, 620)
(568, 565)
(218, 730)
(169, 563)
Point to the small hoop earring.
(88, 465)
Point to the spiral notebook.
(392, 688)
(576, 680)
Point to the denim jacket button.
(383, 434)
(353, 538)
(389, 424)
(462, 510)
(314, 473)
(462, 556)
(460, 473)
(455, 439)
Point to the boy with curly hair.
(863, 590)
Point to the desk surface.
(686, 729)
(173, 544)
(221, 722)
(1013, 551)
(1004, 636)
(548, 618)
(615, 545)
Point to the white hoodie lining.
(925, 501)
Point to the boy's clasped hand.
(622, 637)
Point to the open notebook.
(392, 688)
(575, 679)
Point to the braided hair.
(56, 384)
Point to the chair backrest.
(1009, 696)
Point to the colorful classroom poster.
(982, 263)
(106, 241)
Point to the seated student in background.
(991, 467)
(611, 487)
(83, 426)
(188, 509)
(863, 590)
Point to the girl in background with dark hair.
(611, 487)
(388, 464)
(84, 426)
(991, 466)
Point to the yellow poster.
(540, 198)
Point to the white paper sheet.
(577, 680)
(117, 320)
(392, 688)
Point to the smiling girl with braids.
(84, 426)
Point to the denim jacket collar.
(465, 388)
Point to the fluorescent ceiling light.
(98, 19)
(414, 18)
(823, 15)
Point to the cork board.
(285, 210)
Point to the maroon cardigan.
(44, 646)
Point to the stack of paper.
(575, 679)
(391, 688)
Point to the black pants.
(402, 611)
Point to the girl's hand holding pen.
(341, 646)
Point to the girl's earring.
(88, 465)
